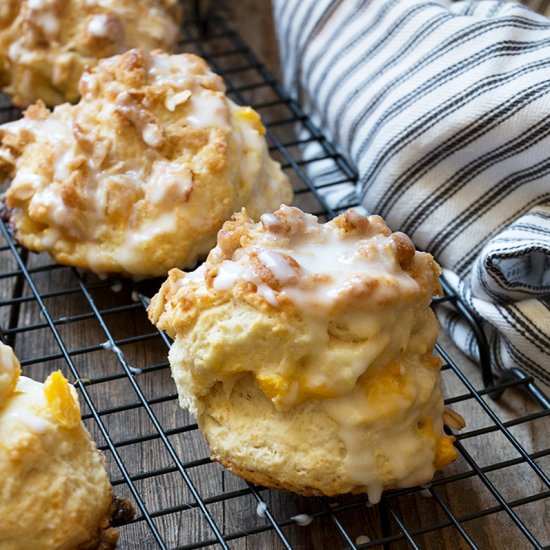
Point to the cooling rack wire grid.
(97, 332)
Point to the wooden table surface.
(150, 461)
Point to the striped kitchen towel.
(444, 109)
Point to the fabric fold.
(444, 109)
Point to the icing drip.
(318, 267)
(261, 509)
(302, 519)
(98, 26)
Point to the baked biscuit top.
(306, 352)
(139, 175)
(360, 292)
(45, 44)
(55, 492)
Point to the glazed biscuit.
(45, 44)
(140, 175)
(306, 352)
(54, 494)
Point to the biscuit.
(306, 352)
(140, 175)
(54, 493)
(45, 44)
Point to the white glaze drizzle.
(261, 509)
(116, 286)
(111, 347)
(342, 262)
(174, 100)
(302, 519)
(205, 107)
(166, 184)
(197, 274)
(169, 182)
(208, 109)
(362, 426)
(26, 407)
(278, 265)
(315, 265)
(269, 220)
(32, 421)
(97, 26)
(230, 272)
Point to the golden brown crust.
(107, 541)
(306, 352)
(55, 492)
(173, 310)
(44, 46)
(121, 511)
(405, 248)
(268, 481)
(271, 483)
(140, 175)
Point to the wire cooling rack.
(96, 331)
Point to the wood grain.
(166, 487)
(146, 457)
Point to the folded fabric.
(444, 109)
